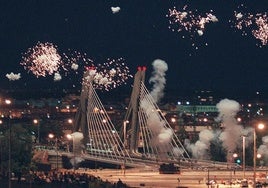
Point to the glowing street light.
(36, 122)
(125, 131)
(8, 102)
(70, 121)
(173, 120)
(125, 143)
(244, 154)
(259, 126)
(235, 155)
(71, 137)
(51, 136)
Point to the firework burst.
(189, 21)
(76, 61)
(42, 60)
(109, 75)
(255, 24)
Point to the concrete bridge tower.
(132, 111)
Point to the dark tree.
(21, 149)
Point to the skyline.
(216, 57)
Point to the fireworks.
(256, 24)
(43, 59)
(106, 76)
(76, 61)
(109, 75)
(190, 22)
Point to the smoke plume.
(161, 135)
(77, 148)
(232, 131)
(158, 79)
(263, 149)
(200, 149)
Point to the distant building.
(193, 109)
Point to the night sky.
(224, 61)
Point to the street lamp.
(259, 126)
(70, 121)
(125, 143)
(1, 150)
(51, 136)
(8, 102)
(71, 137)
(36, 122)
(125, 132)
(244, 154)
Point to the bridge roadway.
(150, 178)
(117, 160)
(144, 173)
(137, 161)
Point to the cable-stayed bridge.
(145, 138)
(145, 133)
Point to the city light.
(259, 126)
(173, 120)
(70, 121)
(8, 102)
(36, 122)
(50, 135)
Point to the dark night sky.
(139, 33)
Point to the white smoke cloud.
(230, 135)
(76, 160)
(57, 77)
(263, 149)
(165, 135)
(178, 151)
(104, 81)
(200, 149)
(200, 32)
(228, 109)
(74, 66)
(239, 15)
(161, 135)
(77, 138)
(232, 131)
(212, 18)
(156, 125)
(115, 9)
(158, 79)
(13, 77)
(77, 147)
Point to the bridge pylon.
(81, 123)
(149, 134)
(132, 110)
